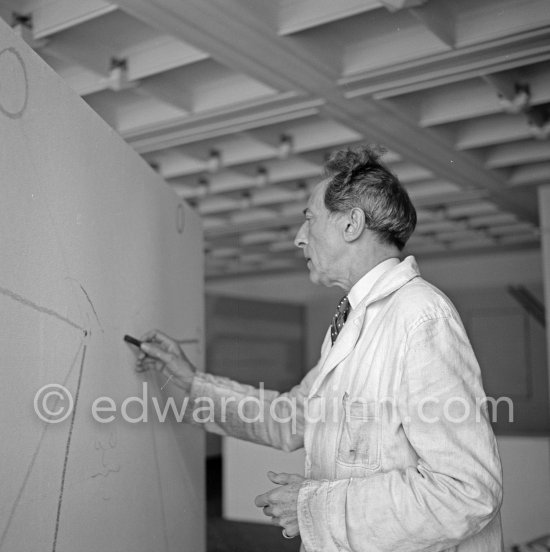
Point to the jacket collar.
(388, 283)
(367, 281)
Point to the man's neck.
(359, 269)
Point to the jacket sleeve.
(226, 407)
(452, 492)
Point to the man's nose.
(300, 239)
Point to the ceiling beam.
(538, 173)
(518, 153)
(163, 55)
(58, 15)
(397, 5)
(438, 19)
(299, 15)
(163, 89)
(153, 63)
(449, 67)
(444, 105)
(204, 24)
(213, 25)
(490, 131)
(255, 114)
(93, 57)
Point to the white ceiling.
(458, 92)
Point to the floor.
(230, 536)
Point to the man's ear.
(355, 224)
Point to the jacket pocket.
(359, 434)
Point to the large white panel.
(94, 246)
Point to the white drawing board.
(93, 245)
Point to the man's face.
(320, 238)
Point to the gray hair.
(358, 179)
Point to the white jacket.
(400, 455)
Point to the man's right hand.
(164, 354)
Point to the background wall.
(254, 341)
(93, 246)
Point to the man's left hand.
(281, 503)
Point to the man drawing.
(400, 455)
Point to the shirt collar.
(366, 283)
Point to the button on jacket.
(400, 454)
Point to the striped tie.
(339, 318)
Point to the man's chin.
(314, 277)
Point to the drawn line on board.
(35, 456)
(43, 310)
(91, 305)
(106, 468)
(106, 472)
(17, 114)
(67, 450)
(88, 299)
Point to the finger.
(145, 364)
(165, 341)
(151, 361)
(292, 529)
(278, 478)
(150, 365)
(141, 359)
(295, 478)
(285, 478)
(151, 335)
(156, 352)
(262, 500)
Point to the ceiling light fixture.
(22, 24)
(246, 200)
(302, 189)
(286, 146)
(214, 162)
(155, 165)
(440, 212)
(203, 187)
(519, 103)
(118, 75)
(539, 122)
(262, 177)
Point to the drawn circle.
(53, 403)
(14, 85)
(180, 218)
